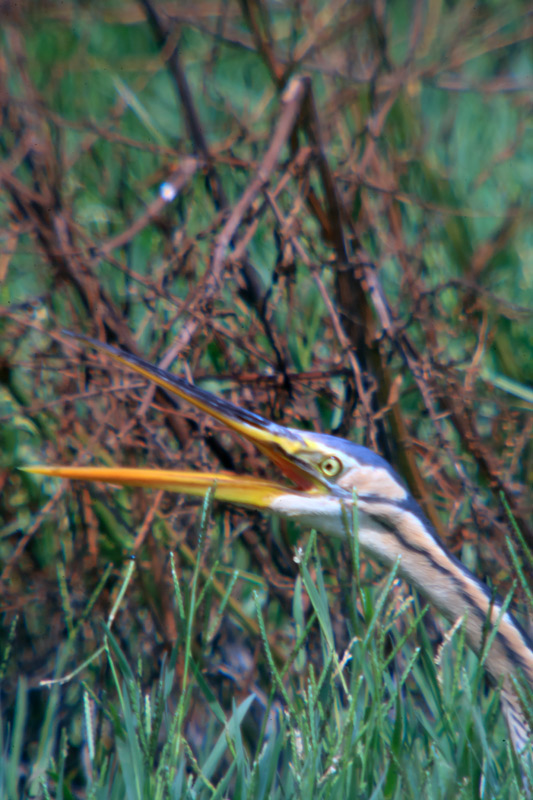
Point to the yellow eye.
(330, 466)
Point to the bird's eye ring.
(330, 466)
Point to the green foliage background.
(211, 666)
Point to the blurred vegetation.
(378, 285)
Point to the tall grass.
(387, 718)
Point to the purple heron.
(327, 473)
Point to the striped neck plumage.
(400, 529)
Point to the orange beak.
(280, 444)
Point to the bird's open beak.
(280, 444)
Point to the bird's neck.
(388, 531)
